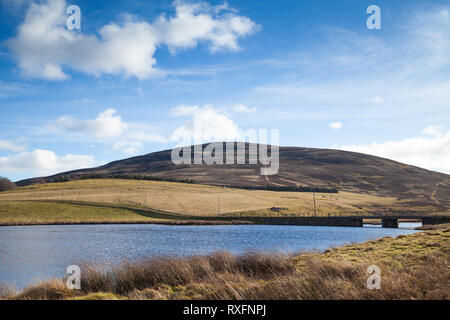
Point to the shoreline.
(314, 222)
(168, 222)
(173, 223)
(179, 223)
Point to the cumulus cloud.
(205, 124)
(44, 162)
(110, 129)
(335, 125)
(106, 125)
(431, 151)
(44, 47)
(242, 108)
(194, 22)
(10, 146)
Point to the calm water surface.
(32, 253)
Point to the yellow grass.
(194, 199)
(37, 212)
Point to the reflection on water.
(32, 253)
(401, 225)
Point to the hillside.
(348, 171)
(192, 199)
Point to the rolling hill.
(348, 171)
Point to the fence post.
(315, 210)
(218, 206)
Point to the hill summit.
(309, 167)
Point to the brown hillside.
(349, 171)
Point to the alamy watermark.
(73, 282)
(374, 20)
(374, 280)
(73, 21)
(235, 152)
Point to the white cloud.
(433, 130)
(10, 146)
(44, 162)
(242, 108)
(201, 22)
(431, 152)
(44, 47)
(106, 125)
(206, 124)
(335, 125)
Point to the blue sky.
(139, 74)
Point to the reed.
(413, 267)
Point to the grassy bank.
(192, 199)
(16, 212)
(66, 212)
(412, 267)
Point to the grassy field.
(46, 212)
(194, 199)
(412, 267)
(36, 212)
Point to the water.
(32, 253)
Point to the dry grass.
(420, 270)
(52, 289)
(35, 212)
(436, 226)
(193, 199)
(7, 290)
(46, 212)
(176, 272)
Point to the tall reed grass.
(223, 275)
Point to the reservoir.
(29, 254)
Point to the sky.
(139, 76)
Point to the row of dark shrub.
(288, 188)
(133, 177)
(168, 179)
(62, 179)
